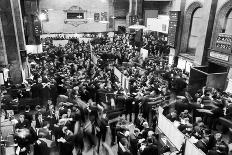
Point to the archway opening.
(227, 27)
(194, 31)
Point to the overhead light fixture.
(42, 16)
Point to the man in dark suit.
(39, 121)
(45, 92)
(123, 147)
(150, 149)
(42, 145)
(203, 145)
(66, 144)
(70, 123)
(33, 132)
(23, 123)
(134, 142)
(100, 96)
(53, 92)
(28, 114)
(36, 91)
(129, 101)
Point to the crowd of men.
(68, 93)
(74, 101)
(198, 117)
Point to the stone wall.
(189, 2)
(163, 7)
(57, 15)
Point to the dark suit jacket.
(201, 145)
(100, 96)
(67, 147)
(36, 90)
(41, 148)
(45, 93)
(21, 125)
(34, 136)
(150, 150)
(133, 144)
(121, 152)
(28, 116)
(39, 124)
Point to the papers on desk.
(180, 97)
(193, 140)
(176, 123)
(205, 111)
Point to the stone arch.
(220, 17)
(187, 24)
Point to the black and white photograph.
(115, 77)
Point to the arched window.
(194, 31)
(227, 28)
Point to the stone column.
(19, 23)
(30, 7)
(21, 36)
(3, 57)
(132, 10)
(11, 40)
(111, 14)
(179, 5)
(139, 9)
(208, 15)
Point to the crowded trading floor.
(89, 86)
(74, 103)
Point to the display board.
(59, 35)
(85, 40)
(2, 79)
(191, 149)
(229, 86)
(7, 128)
(118, 74)
(34, 49)
(181, 63)
(150, 14)
(59, 42)
(224, 41)
(94, 58)
(173, 134)
(5, 73)
(173, 27)
(158, 24)
(144, 53)
(219, 55)
(188, 66)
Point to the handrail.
(176, 137)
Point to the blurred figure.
(22, 123)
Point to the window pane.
(194, 32)
(228, 29)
